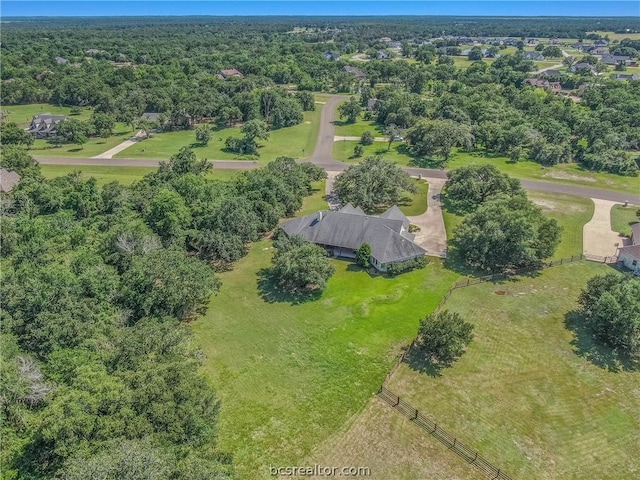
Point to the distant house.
(532, 41)
(354, 71)
(626, 77)
(61, 60)
(44, 125)
(555, 87)
(533, 56)
(551, 73)
(342, 232)
(615, 59)
(599, 51)
(331, 56)
(395, 45)
(371, 104)
(8, 180)
(231, 72)
(629, 256)
(581, 68)
(382, 55)
(151, 116)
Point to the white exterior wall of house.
(629, 261)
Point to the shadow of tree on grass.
(271, 292)
(420, 363)
(587, 346)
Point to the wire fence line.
(470, 455)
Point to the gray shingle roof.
(8, 180)
(631, 250)
(635, 233)
(388, 239)
(395, 213)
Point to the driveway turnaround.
(432, 235)
(597, 236)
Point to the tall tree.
(372, 184)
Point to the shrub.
(401, 267)
(367, 138)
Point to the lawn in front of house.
(297, 142)
(623, 217)
(529, 393)
(415, 203)
(94, 146)
(343, 151)
(289, 376)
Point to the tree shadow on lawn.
(271, 292)
(585, 345)
(421, 364)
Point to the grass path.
(528, 393)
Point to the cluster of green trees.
(488, 108)
(99, 374)
(610, 307)
(503, 230)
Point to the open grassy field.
(356, 129)
(23, 114)
(619, 36)
(622, 218)
(316, 201)
(571, 213)
(290, 375)
(343, 151)
(392, 447)
(529, 394)
(297, 141)
(124, 175)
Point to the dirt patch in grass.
(568, 176)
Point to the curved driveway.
(323, 156)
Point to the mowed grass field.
(527, 394)
(297, 142)
(289, 376)
(623, 217)
(23, 114)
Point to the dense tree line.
(99, 374)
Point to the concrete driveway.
(432, 235)
(122, 146)
(597, 236)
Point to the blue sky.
(311, 7)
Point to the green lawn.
(622, 218)
(356, 129)
(569, 211)
(527, 394)
(343, 151)
(23, 114)
(124, 175)
(297, 141)
(315, 201)
(93, 147)
(289, 376)
(416, 203)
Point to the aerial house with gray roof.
(342, 232)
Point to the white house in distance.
(629, 256)
(342, 232)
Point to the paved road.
(432, 235)
(598, 238)
(323, 156)
(122, 146)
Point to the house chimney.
(320, 215)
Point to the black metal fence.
(462, 450)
